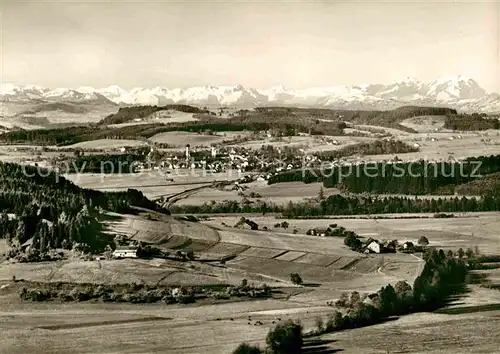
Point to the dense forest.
(348, 205)
(469, 122)
(378, 147)
(488, 185)
(418, 178)
(58, 106)
(128, 114)
(356, 116)
(50, 212)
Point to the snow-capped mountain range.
(462, 93)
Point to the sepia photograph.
(249, 177)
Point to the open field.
(434, 142)
(321, 260)
(282, 193)
(284, 241)
(181, 138)
(107, 144)
(475, 229)
(154, 183)
(464, 230)
(310, 144)
(445, 145)
(24, 153)
(290, 256)
(160, 117)
(425, 124)
(148, 179)
(159, 231)
(282, 269)
(262, 252)
(153, 328)
(279, 193)
(424, 333)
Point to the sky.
(297, 44)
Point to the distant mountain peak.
(459, 91)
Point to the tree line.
(137, 293)
(416, 178)
(127, 114)
(390, 118)
(488, 185)
(348, 205)
(470, 122)
(377, 147)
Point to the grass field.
(160, 117)
(310, 144)
(279, 193)
(464, 230)
(133, 329)
(155, 183)
(425, 124)
(181, 138)
(104, 144)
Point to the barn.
(125, 252)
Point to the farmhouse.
(373, 247)
(125, 252)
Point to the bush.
(245, 348)
(190, 255)
(296, 279)
(423, 241)
(335, 321)
(443, 216)
(286, 338)
(353, 242)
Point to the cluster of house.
(390, 246)
(221, 159)
(433, 138)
